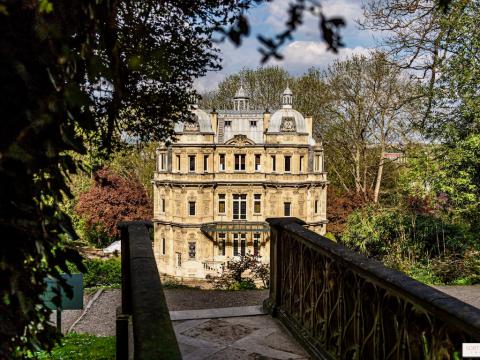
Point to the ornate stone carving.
(191, 126)
(240, 140)
(288, 124)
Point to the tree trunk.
(378, 181)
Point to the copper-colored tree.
(112, 199)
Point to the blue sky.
(306, 49)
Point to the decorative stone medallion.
(288, 124)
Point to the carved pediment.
(288, 124)
(240, 140)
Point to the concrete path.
(248, 337)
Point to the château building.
(227, 172)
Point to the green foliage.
(82, 347)
(80, 75)
(102, 272)
(136, 162)
(425, 244)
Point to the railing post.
(125, 258)
(121, 332)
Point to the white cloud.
(300, 55)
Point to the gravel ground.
(190, 299)
(70, 316)
(100, 318)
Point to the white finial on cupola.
(287, 98)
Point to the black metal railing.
(342, 305)
(144, 329)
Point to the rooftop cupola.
(193, 102)
(287, 98)
(241, 100)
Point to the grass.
(82, 347)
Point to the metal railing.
(341, 305)
(143, 327)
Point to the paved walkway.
(247, 337)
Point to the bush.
(81, 347)
(241, 274)
(428, 245)
(102, 272)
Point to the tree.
(263, 85)
(80, 74)
(136, 162)
(370, 111)
(112, 199)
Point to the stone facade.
(227, 172)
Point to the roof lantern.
(241, 101)
(287, 98)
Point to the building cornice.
(199, 225)
(241, 183)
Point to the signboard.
(74, 303)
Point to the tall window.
(163, 205)
(274, 163)
(191, 163)
(239, 162)
(288, 160)
(221, 203)
(162, 161)
(205, 163)
(316, 206)
(256, 243)
(192, 250)
(239, 207)
(191, 208)
(258, 166)
(287, 207)
(239, 239)
(301, 163)
(221, 244)
(221, 162)
(179, 163)
(257, 203)
(164, 247)
(243, 244)
(235, 244)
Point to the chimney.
(266, 120)
(214, 120)
(309, 125)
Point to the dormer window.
(253, 124)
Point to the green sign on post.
(66, 303)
